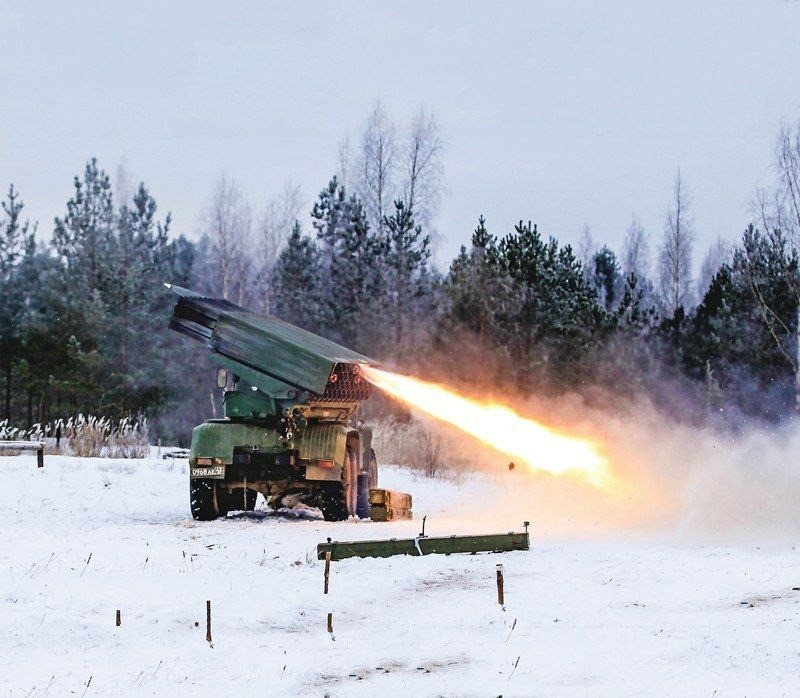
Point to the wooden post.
(40, 456)
(119, 618)
(208, 621)
(327, 569)
(500, 594)
(330, 623)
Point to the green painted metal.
(248, 404)
(326, 441)
(323, 440)
(425, 545)
(294, 395)
(267, 384)
(265, 344)
(216, 439)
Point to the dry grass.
(88, 436)
(419, 447)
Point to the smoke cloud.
(669, 479)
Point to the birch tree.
(675, 253)
(124, 185)
(386, 168)
(423, 170)
(227, 225)
(636, 251)
(586, 249)
(378, 165)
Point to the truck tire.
(351, 480)
(339, 500)
(206, 499)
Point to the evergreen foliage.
(475, 286)
(17, 248)
(83, 322)
(527, 296)
(405, 254)
(606, 277)
(350, 275)
(296, 292)
(741, 337)
(90, 313)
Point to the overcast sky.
(566, 113)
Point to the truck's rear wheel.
(207, 499)
(339, 500)
(351, 480)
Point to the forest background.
(84, 312)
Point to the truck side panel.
(323, 442)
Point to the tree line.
(83, 318)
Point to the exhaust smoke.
(627, 469)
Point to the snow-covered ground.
(599, 615)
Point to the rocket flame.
(542, 449)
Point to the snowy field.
(587, 615)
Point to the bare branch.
(675, 254)
(228, 226)
(718, 253)
(423, 169)
(378, 166)
(636, 251)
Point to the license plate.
(218, 470)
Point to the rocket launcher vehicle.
(290, 398)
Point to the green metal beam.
(425, 545)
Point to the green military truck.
(289, 431)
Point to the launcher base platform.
(425, 545)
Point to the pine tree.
(605, 277)
(476, 288)
(742, 333)
(142, 258)
(405, 256)
(350, 280)
(17, 245)
(296, 283)
(634, 315)
(16, 236)
(83, 237)
(766, 267)
(558, 317)
(527, 297)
